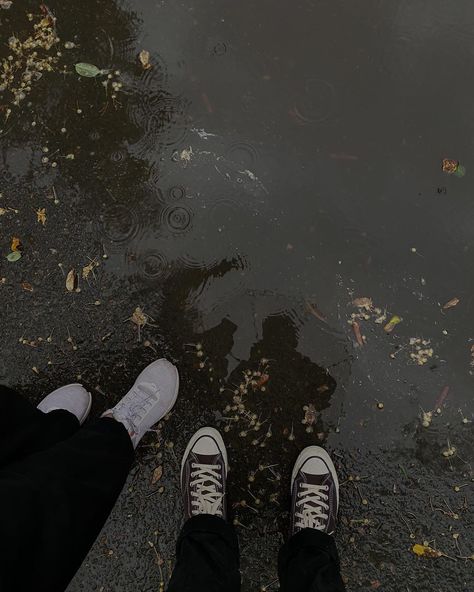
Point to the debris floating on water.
(357, 333)
(88, 70)
(144, 57)
(421, 350)
(453, 167)
(363, 302)
(426, 418)
(393, 322)
(451, 303)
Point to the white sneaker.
(151, 397)
(72, 397)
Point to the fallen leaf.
(263, 380)
(375, 584)
(357, 333)
(157, 474)
(71, 281)
(314, 310)
(363, 302)
(144, 57)
(14, 256)
(89, 268)
(426, 418)
(393, 322)
(26, 286)
(16, 244)
(450, 166)
(41, 215)
(441, 398)
(87, 70)
(425, 551)
(451, 303)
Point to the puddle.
(272, 165)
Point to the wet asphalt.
(277, 162)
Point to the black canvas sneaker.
(314, 492)
(203, 474)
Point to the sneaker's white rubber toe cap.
(71, 397)
(165, 377)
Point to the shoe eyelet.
(193, 465)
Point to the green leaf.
(14, 256)
(87, 70)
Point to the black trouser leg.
(25, 430)
(309, 562)
(54, 503)
(207, 556)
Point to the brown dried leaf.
(451, 303)
(71, 281)
(314, 310)
(157, 474)
(357, 333)
(144, 57)
(26, 286)
(363, 302)
(450, 165)
(41, 215)
(16, 244)
(262, 380)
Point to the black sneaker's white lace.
(206, 489)
(312, 506)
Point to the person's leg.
(54, 503)
(27, 429)
(309, 562)
(207, 552)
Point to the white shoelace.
(136, 405)
(311, 507)
(207, 498)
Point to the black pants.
(58, 484)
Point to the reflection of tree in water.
(74, 115)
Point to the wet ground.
(275, 164)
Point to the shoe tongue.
(208, 459)
(313, 479)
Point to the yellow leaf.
(41, 215)
(425, 551)
(16, 244)
(393, 322)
